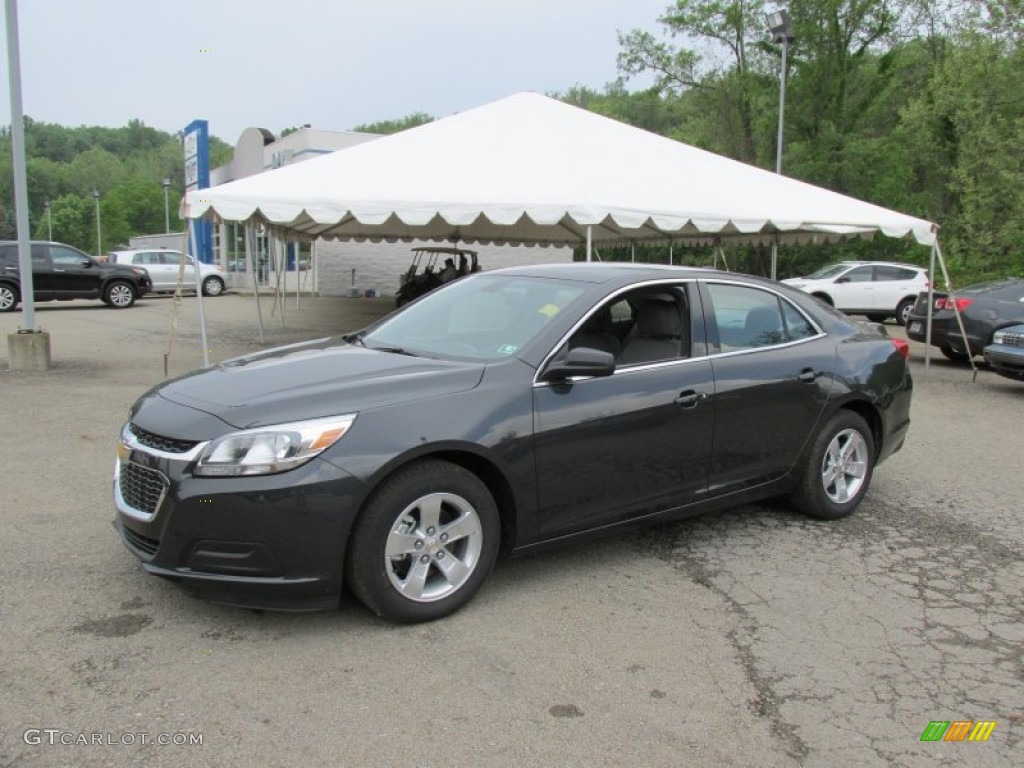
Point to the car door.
(154, 263)
(635, 442)
(855, 289)
(892, 285)
(75, 275)
(772, 369)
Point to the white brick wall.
(378, 265)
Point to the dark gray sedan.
(506, 411)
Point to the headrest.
(658, 320)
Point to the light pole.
(99, 240)
(781, 27)
(49, 221)
(167, 210)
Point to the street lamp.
(167, 210)
(49, 221)
(781, 27)
(99, 247)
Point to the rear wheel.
(876, 318)
(213, 286)
(903, 310)
(424, 542)
(9, 297)
(954, 354)
(119, 294)
(837, 470)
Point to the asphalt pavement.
(754, 637)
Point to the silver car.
(163, 266)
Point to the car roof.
(858, 263)
(602, 272)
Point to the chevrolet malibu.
(504, 412)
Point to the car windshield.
(830, 271)
(480, 317)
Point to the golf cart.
(423, 274)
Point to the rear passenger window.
(748, 318)
(894, 273)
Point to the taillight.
(947, 303)
(902, 347)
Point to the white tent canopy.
(528, 169)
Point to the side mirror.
(843, 279)
(86, 262)
(581, 361)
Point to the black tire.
(903, 310)
(9, 297)
(410, 513)
(119, 294)
(843, 453)
(876, 318)
(213, 286)
(954, 355)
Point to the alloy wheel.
(845, 466)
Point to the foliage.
(916, 105)
(126, 166)
(394, 126)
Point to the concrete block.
(28, 351)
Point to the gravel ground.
(750, 638)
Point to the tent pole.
(589, 242)
(249, 242)
(775, 256)
(199, 294)
(928, 313)
(298, 272)
(632, 252)
(670, 253)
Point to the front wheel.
(119, 295)
(424, 543)
(954, 355)
(9, 298)
(877, 318)
(837, 470)
(213, 286)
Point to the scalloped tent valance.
(531, 170)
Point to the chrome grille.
(161, 443)
(142, 488)
(1014, 339)
(142, 543)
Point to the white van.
(163, 264)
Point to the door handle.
(59, 270)
(808, 375)
(689, 398)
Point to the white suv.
(878, 289)
(162, 265)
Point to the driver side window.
(640, 327)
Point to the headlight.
(267, 450)
(999, 337)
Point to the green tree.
(394, 126)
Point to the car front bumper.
(274, 541)
(1006, 360)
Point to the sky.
(333, 64)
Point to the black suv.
(61, 273)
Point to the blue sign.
(197, 176)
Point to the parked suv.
(62, 273)
(162, 265)
(878, 289)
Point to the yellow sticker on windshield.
(550, 310)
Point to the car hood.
(325, 377)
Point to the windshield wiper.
(393, 350)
